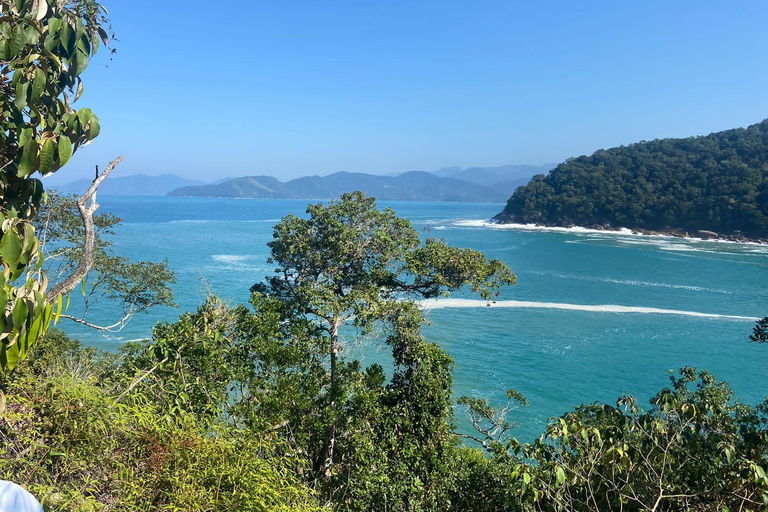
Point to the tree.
(135, 286)
(45, 45)
(696, 449)
(347, 271)
(491, 423)
(760, 332)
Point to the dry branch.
(87, 206)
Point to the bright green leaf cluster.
(45, 45)
(27, 314)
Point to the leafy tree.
(45, 45)
(135, 286)
(695, 450)
(346, 273)
(760, 332)
(492, 424)
(78, 443)
(349, 270)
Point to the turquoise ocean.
(594, 315)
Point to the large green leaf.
(21, 94)
(33, 36)
(10, 248)
(54, 24)
(84, 115)
(18, 41)
(25, 136)
(28, 159)
(38, 86)
(35, 331)
(67, 36)
(28, 243)
(20, 312)
(5, 50)
(65, 150)
(47, 156)
(10, 356)
(95, 128)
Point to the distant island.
(133, 185)
(477, 184)
(713, 186)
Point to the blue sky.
(291, 88)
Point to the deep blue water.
(557, 357)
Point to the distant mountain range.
(476, 184)
(411, 186)
(134, 185)
(491, 176)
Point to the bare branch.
(116, 327)
(87, 205)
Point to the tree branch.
(87, 205)
(116, 327)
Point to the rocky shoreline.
(701, 234)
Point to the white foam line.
(480, 223)
(633, 282)
(578, 230)
(594, 308)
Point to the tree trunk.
(87, 205)
(331, 437)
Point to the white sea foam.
(593, 308)
(230, 258)
(236, 261)
(620, 232)
(635, 282)
(479, 223)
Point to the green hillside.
(717, 182)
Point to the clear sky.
(290, 88)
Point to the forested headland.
(716, 183)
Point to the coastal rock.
(707, 235)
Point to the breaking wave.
(592, 308)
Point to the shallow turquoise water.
(558, 358)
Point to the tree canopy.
(717, 182)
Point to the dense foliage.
(79, 444)
(267, 407)
(717, 182)
(45, 45)
(130, 287)
(164, 426)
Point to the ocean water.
(594, 315)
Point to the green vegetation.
(717, 183)
(760, 332)
(134, 287)
(79, 444)
(44, 48)
(261, 407)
